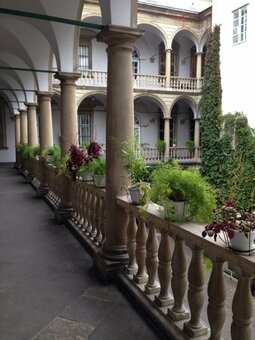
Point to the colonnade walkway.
(48, 287)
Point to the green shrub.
(172, 183)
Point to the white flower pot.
(242, 243)
(135, 194)
(99, 181)
(180, 208)
(87, 176)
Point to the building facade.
(167, 64)
(237, 30)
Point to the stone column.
(167, 136)
(68, 114)
(23, 126)
(32, 124)
(46, 136)
(168, 67)
(17, 138)
(17, 129)
(197, 137)
(199, 68)
(119, 128)
(45, 115)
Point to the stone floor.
(48, 289)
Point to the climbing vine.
(211, 153)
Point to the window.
(174, 59)
(84, 128)
(83, 57)
(240, 25)
(162, 59)
(136, 61)
(2, 127)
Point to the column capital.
(67, 78)
(119, 35)
(31, 105)
(42, 94)
(167, 118)
(23, 111)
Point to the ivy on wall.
(211, 111)
(239, 164)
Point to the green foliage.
(211, 115)
(190, 144)
(239, 170)
(161, 145)
(97, 166)
(54, 153)
(171, 182)
(28, 152)
(134, 162)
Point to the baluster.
(152, 286)
(89, 226)
(141, 237)
(131, 268)
(85, 207)
(81, 192)
(179, 282)
(102, 221)
(242, 308)
(75, 201)
(164, 271)
(216, 299)
(92, 214)
(194, 327)
(97, 236)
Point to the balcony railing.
(177, 153)
(165, 272)
(140, 81)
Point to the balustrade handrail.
(191, 233)
(153, 263)
(98, 78)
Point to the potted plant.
(134, 162)
(74, 161)
(183, 193)
(98, 167)
(234, 227)
(190, 144)
(161, 145)
(92, 151)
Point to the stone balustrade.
(163, 272)
(96, 78)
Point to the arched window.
(137, 130)
(162, 59)
(136, 61)
(175, 59)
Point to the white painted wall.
(99, 56)
(56, 124)
(237, 71)
(9, 155)
(99, 127)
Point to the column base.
(42, 190)
(62, 213)
(107, 269)
(29, 178)
(195, 332)
(177, 316)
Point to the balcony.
(92, 78)
(165, 274)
